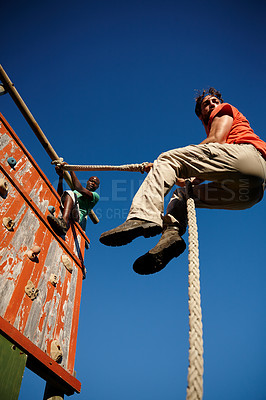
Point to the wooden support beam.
(10, 88)
(52, 393)
(12, 365)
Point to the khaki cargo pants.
(236, 172)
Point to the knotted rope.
(195, 369)
(126, 167)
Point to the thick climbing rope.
(126, 167)
(195, 369)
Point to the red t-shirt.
(241, 131)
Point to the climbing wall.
(41, 273)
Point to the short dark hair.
(211, 91)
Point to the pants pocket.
(213, 151)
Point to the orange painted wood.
(54, 313)
(35, 352)
(32, 205)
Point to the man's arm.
(220, 128)
(78, 186)
(60, 181)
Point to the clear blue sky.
(113, 82)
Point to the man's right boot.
(169, 246)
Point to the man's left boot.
(58, 224)
(128, 231)
(169, 246)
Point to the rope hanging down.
(195, 369)
(126, 167)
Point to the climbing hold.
(67, 263)
(11, 161)
(53, 279)
(3, 187)
(33, 253)
(8, 223)
(51, 209)
(56, 351)
(30, 290)
(2, 89)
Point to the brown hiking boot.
(128, 231)
(58, 224)
(169, 246)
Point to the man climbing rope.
(75, 204)
(232, 157)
